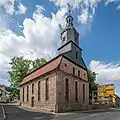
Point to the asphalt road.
(1, 113)
(15, 113)
(107, 114)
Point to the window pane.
(78, 73)
(32, 88)
(76, 91)
(27, 93)
(47, 89)
(23, 94)
(76, 55)
(67, 89)
(63, 38)
(38, 90)
(83, 92)
(74, 71)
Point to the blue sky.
(30, 28)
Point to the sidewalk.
(34, 110)
(66, 113)
(2, 112)
(57, 114)
(47, 112)
(16, 103)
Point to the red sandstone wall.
(42, 103)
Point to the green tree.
(21, 67)
(9, 89)
(92, 83)
(38, 62)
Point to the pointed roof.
(49, 66)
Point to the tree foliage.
(20, 67)
(92, 82)
(38, 62)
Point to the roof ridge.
(42, 65)
(49, 66)
(60, 61)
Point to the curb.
(92, 110)
(66, 113)
(97, 110)
(34, 110)
(46, 112)
(3, 110)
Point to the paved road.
(1, 113)
(108, 114)
(15, 113)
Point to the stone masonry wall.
(67, 72)
(69, 69)
(56, 78)
(48, 105)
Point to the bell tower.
(70, 42)
(69, 32)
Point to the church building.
(61, 84)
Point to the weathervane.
(69, 8)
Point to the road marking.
(37, 118)
(94, 115)
(107, 112)
(3, 111)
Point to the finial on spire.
(69, 19)
(69, 8)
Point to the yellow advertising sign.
(105, 90)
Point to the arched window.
(76, 55)
(27, 93)
(38, 90)
(78, 73)
(67, 89)
(23, 94)
(32, 88)
(63, 38)
(76, 91)
(83, 92)
(47, 89)
(73, 71)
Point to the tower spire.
(69, 19)
(69, 9)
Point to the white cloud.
(85, 9)
(41, 33)
(118, 7)
(106, 71)
(4, 67)
(22, 9)
(8, 5)
(40, 9)
(84, 17)
(40, 39)
(111, 1)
